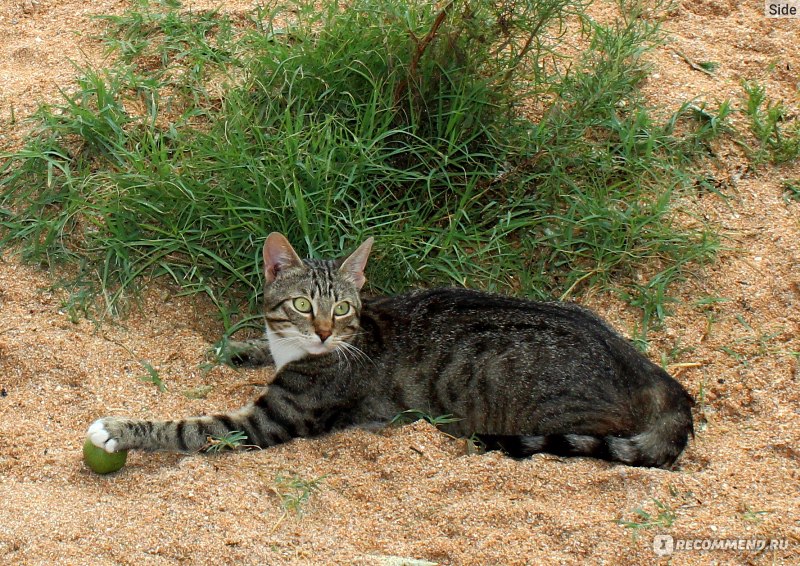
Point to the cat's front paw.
(105, 433)
(251, 353)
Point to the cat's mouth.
(318, 348)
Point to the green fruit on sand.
(100, 461)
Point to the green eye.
(341, 309)
(302, 304)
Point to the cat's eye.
(302, 304)
(341, 309)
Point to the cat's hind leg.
(646, 449)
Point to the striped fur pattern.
(524, 376)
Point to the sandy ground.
(410, 492)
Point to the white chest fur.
(284, 350)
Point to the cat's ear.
(353, 266)
(278, 256)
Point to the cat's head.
(311, 306)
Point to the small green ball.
(100, 461)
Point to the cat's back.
(452, 309)
(452, 326)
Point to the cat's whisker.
(358, 353)
(342, 358)
(342, 354)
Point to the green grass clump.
(152, 376)
(413, 415)
(777, 134)
(294, 491)
(791, 190)
(663, 518)
(234, 440)
(461, 135)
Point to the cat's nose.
(323, 333)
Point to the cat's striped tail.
(659, 445)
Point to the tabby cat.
(523, 376)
